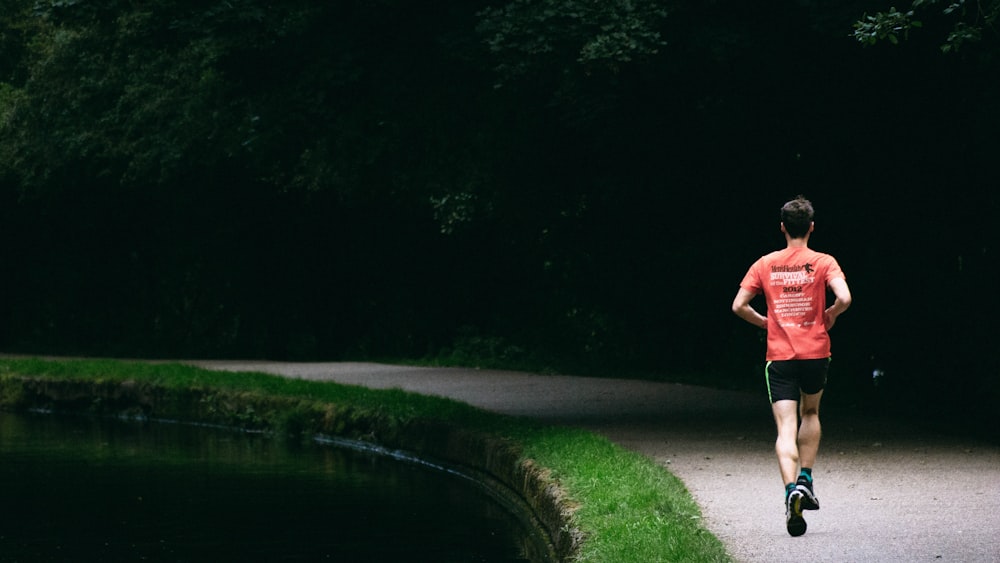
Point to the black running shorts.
(788, 379)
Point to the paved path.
(887, 493)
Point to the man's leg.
(810, 430)
(810, 433)
(786, 417)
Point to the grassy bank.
(614, 505)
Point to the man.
(794, 282)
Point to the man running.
(794, 282)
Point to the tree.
(134, 95)
(528, 36)
(162, 151)
(970, 22)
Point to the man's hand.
(742, 308)
(828, 318)
(843, 301)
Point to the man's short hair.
(797, 216)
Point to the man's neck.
(797, 242)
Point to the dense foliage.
(546, 182)
(969, 22)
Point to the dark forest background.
(574, 186)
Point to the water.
(78, 489)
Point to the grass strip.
(628, 509)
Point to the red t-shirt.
(794, 282)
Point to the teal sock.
(807, 472)
(788, 489)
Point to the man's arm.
(743, 310)
(840, 304)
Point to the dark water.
(77, 489)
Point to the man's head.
(797, 217)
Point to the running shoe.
(809, 499)
(794, 523)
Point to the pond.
(82, 489)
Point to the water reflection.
(77, 489)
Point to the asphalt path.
(888, 491)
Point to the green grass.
(629, 508)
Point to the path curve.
(888, 493)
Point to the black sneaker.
(794, 523)
(809, 500)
